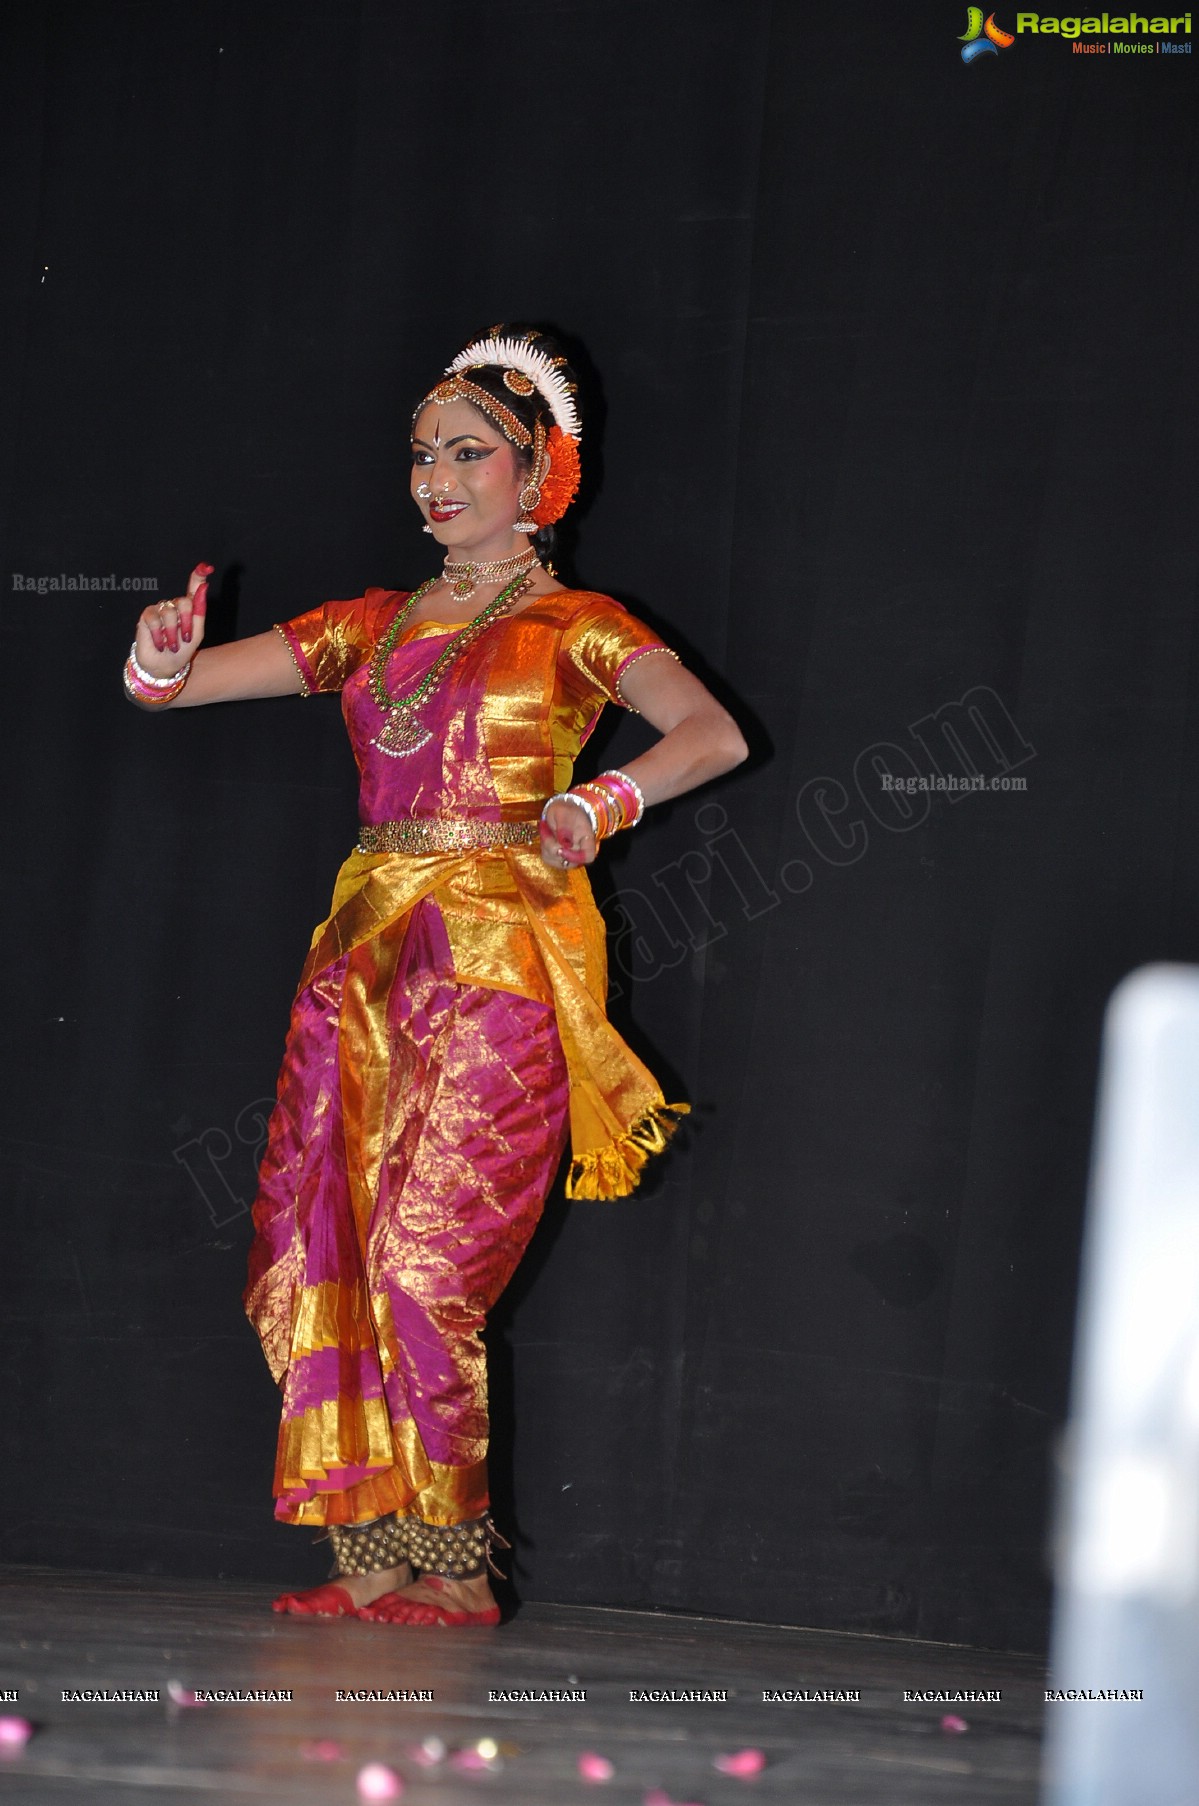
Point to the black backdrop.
(894, 383)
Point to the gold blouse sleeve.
(330, 642)
(600, 642)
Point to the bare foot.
(435, 1599)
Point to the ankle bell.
(369, 1548)
(455, 1551)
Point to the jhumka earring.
(529, 499)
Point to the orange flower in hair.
(560, 484)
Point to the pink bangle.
(606, 806)
(630, 791)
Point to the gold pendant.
(402, 733)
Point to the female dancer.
(449, 1027)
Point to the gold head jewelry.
(457, 388)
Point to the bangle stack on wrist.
(630, 798)
(140, 686)
(610, 802)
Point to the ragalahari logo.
(983, 37)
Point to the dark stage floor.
(70, 1632)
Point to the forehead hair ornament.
(457, 388)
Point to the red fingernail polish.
(187, 633)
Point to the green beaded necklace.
(403, 732)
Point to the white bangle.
(146, 699)
(568, 796)
(154, 683)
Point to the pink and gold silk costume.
(448, 1030)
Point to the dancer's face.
(466, 477)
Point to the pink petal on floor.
(595, 1768)
(14, 1733)
(955, 1725)
(378, 1782)
(745, 1762)
(179, 1695)
(321, 1749)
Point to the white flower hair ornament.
(537, 367)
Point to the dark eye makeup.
(471, 454)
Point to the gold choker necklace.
(463, 578)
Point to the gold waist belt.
(439, 835)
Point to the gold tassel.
(615, 1171)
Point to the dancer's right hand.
(169, 633)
